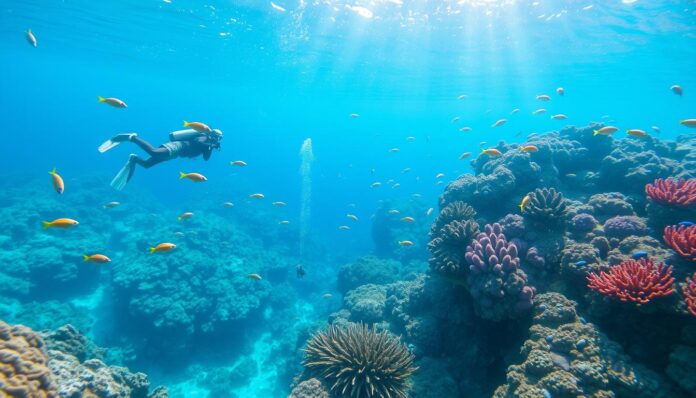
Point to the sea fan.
(359, 362)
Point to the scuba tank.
(185, 135)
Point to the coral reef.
(359, 362)
(689, 290)
(496, 282)
(367, 269)
(682, 239)
(24, 370)
(311, 388)
(546, 207)
(672, 192)
(565, 357)
(610, 204)
(582, 223)
(447, 246)
(638, 281)
(621, 227)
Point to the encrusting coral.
(359, 362)
(567, 357)
(24, 370)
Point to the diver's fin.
(119, 182)
(114, 141)
(108, 144)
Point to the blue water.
(270, 79)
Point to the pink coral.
(637, 281)
(682, 239)
(672, 192)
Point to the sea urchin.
(359, 362)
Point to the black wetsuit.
(190, 149)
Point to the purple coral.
(582, 223)
(513, 225)
(496, 281)
(624, 226)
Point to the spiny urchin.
(359, 362)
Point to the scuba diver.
(187, 143)
(299, 270)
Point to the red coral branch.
(637, 281)
(672, 192)
(682, 239)
(689, 290)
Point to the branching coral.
(672, 192)
(496, 282)
(24, 368)
(689, 290)
(682, 239)
(546, 206)
(637, 281)
(359, 362)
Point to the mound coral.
(496, 281)
(682, 239)
(359, 362)
(24, 368)
(565, 356)
(367, 269)
(672, 192)
(546, 206)
(621, 227)
(638, 281)
(311, 388)
(582, 223)
(689, 290)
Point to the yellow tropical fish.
(163, 248)
(97, 258)
(637, 133)
(606, 130)
(184, 216)
(284, 222)
(238, 163)
(256, 277)
(198, 126)
(524, 202)
(352, 217)
(499, 123)
(228, 204)
(60, 223)
(31, 38)
(57, 181)
(529, 148)
(195, 177)
(115, 102)
(344, 228)
(327, 296)
(688, 122)
(111, 205)
(376, 184)
(464, 155)
(407, 219)
(543, 97)
(405, 243)
(257, 196)
(278, 204)
(492, 152)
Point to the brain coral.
(24, 368)
(311, 388)
(621, 227)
